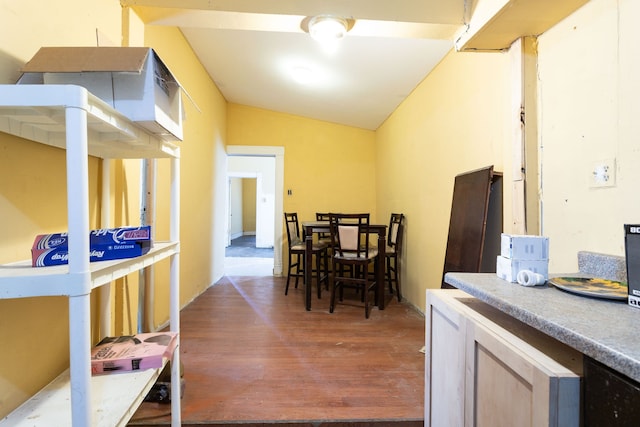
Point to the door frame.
(278, 154)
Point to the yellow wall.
(249, 204)
(457, 120)
(33, 190)
(202, 176)
(452, 123)
(589, 95)
(33, 193)
(328, 167)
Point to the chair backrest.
(350, 234)
(394, 238)
(293, 229)
(323, 217)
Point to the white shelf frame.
(71, 118)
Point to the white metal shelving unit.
(71, 118)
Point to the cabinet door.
(512, 384)
(610, 398)
(485, 368)
(444, 364)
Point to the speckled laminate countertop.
(607, 331)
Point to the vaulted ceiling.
(251, 47)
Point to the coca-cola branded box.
(104, 244)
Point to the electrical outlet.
(603, 173)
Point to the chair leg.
(299, 269)
(325, 257)
(397, 276)
(393, 276)
(365, 292)
(332, 285)
(388, 273)
(286, 288)
(300, 259)
(319, 274)
(341, 287)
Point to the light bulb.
(325, 28)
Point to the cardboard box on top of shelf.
(133, 80)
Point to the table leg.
(382, 245)
(308, 268)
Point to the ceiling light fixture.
(326, 28)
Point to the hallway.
(242, 258)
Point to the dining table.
(309, 228)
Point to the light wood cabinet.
(485, 368)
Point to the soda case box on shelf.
(104, 244)
(133, 80)
(133, 352)
(632, 257)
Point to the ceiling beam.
(429, 11)
(221, 20)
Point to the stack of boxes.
(519, 253)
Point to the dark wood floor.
(253, 357)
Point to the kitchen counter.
(607, 331)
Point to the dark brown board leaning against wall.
(475, 224)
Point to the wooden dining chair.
(393, 252)
(352, 256)
(297, 249)
(323, 237)
(326, 239)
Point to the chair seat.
(325, 240)
(316, 247)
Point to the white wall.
(235, 207)
(589, 88)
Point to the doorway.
(246, 254)
(254, 209)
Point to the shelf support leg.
(79, 302)
(174, 273)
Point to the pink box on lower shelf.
(104, 244)
(133, 352)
